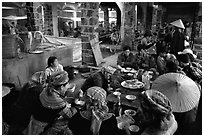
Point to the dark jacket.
(125, 61)
(177, 43)
(81, 126)
(96, 79)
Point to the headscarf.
(37, 78)
(170, 57)
(50, 97)
(96, 115)
(59, 78)
(156, 102)
(97, 93)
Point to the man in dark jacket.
(126, 58)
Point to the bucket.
(9, 46)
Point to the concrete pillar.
(149, 15)
(128, 22)
(55, 20)
(89, 22)
(118, 17)
(75, 16)
(106, 17)
(37, 10)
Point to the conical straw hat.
(183, 92)
(178, 23)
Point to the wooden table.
(135, 103)
(127, 104)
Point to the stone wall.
(35, 20)
(48, 20)
(89, 22)
(129, 23)
(30, 16)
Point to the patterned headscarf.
(38, 77)
(97, 93)
(50, 97)
(58, 78)
(157, 102)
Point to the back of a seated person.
(96, 79)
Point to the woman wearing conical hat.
(178, 39)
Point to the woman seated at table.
(53, 67)
(51, 107)
(95, 119)
(126, 58)
(157, 111)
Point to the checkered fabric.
(157, 102)
(97, 93)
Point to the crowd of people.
(173, 54)
(43, 106)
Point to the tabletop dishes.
(37, 52)
(116, 93)
(130, 97)
(128, 70)
(5, 90)
(132, 84)
(134, 128)
(79, 102)
(130, 112)
(130, 74)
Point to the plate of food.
(130, 112)
(130, 97)
(134, 128)
(132, 84)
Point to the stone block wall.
(48, 22)
(89, 22)
(37, 11)
(30, 16)
(129, 23)
(35, 19)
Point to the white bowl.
(128, 68)
(130, 97)
(130, 74)
(80, 102)
(72, 87)
(130, 112)
(116, 93)
(134, 128)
